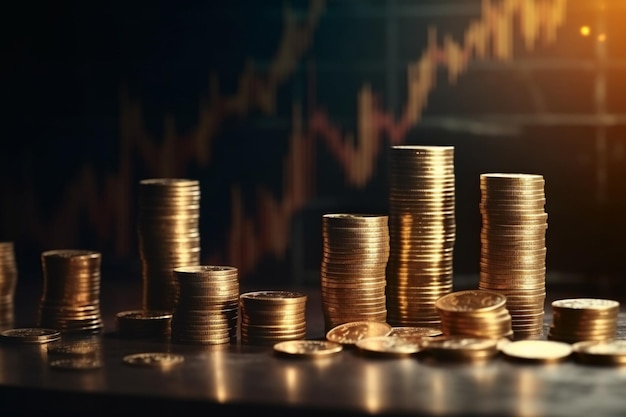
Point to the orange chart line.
(488, 37)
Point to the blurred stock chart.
(285, 110)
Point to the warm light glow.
(585, 30)
(602, 37)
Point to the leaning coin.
(307, 348)
(153, 359)
(396, 346)
(351, 332)
(537, 351)
(30, 335)
(76, 364)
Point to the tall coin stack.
(169, 236)
(354, 259)
(584, 319)
(70, 301)
(207, 305)
(422, 230)
(8, 284)
(269, 317)
(513, 246)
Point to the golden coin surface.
(586, 304)
(611, 352)
(153, 359)
(539, 351)
(412, 331)
(471, 301)
(389, 346)
(308, 348)
(351, 332)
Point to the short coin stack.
(8, 284)
(169, 236)
(422, 231)
(354, 260)
(474, 314)
(70, 300)
(273, 316)
(143, 324)
(584, 319)
(513, 246)
(206, 308)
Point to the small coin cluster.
(474, 314)
(8, 284)
(584, 319)
(168, 236)
(272, 316)
(206, 309)
(70, 300)
(354, 261)
(422, 231)
(513, 246)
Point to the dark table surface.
(235, 379)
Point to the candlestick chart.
(337, 85)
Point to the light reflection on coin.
(308, 348)
(352, 332)
(538, 351)
(389, 346)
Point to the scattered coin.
(396, 346)
(308, 348)
(30, 335)
(600, 353)
(404, 331)
(76, 364)
(153, 359)
(351, 332)
(537, 351)
(459, 348)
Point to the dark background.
(98, 95)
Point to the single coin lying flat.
(153, 359)
(393, 346)
(35, 335)
(537, 351)
(612, 352)
(351, 332)
(308, 348)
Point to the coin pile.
(70, 300)
(8, 284)
(142, 324)
(270, 317)
(422, 231)
(584, 319)
(354, 260)
(206, 308)
(169, 237)
(474, 314)
(513, 246)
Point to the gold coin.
(351, 332)
(612, 352)
(537, 351)
(389, 346)
(153, 359)
(308, 348)
(471, 301)
(30, 335)
(412, 331)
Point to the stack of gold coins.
(169, 236)
(269, 317)
(513, 246)
(70, 300)
(8, 284)
(422, 232)
(207, 305)
(355, 254)
(474, 314)
(584, 319)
